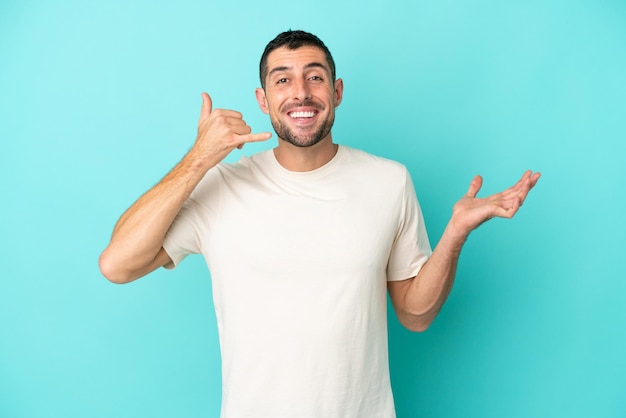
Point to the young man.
(303, 242)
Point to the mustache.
(304, 103)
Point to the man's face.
(300, 95)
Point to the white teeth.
(302, 114)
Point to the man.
(302, 241)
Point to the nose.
(301, 90)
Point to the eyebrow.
(307, 66)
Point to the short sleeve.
(191, 226)
(411, 248)
(183, 237)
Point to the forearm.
(418, 300)
(137, 240)
(427, 292)
(138, 235)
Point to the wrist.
(199, 161)
(454, 236)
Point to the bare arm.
(136, 246)
(418, 300)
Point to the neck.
(302, 159)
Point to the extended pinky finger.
(264, 136)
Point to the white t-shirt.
(299, 263)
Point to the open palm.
(471, 211)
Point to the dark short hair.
(294, 39)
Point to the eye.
(281, 80)
(316, 78)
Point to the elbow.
(419, 328)
(416, 322)
(110, 270)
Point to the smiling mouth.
(301, 115)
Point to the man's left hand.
(470, 211)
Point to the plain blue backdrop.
(98, 100)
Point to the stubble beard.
(286, 134)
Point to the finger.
(227, 113)
(264, 136)
(534, 179)
(520, 188)
(525, 184)
(207, 106)
(240, 129)
(235, 121)
(529, 179)
(507, 211)
(475, 185)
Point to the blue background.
(98, 100)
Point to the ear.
(260, 97)
(338, 91)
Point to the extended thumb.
(207, 105)
(475, 185)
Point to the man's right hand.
(220, 131)
(136, 246)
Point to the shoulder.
(226, 175)
(379, 177)
(246, 167)
(377, 166)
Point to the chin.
(302, 143)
